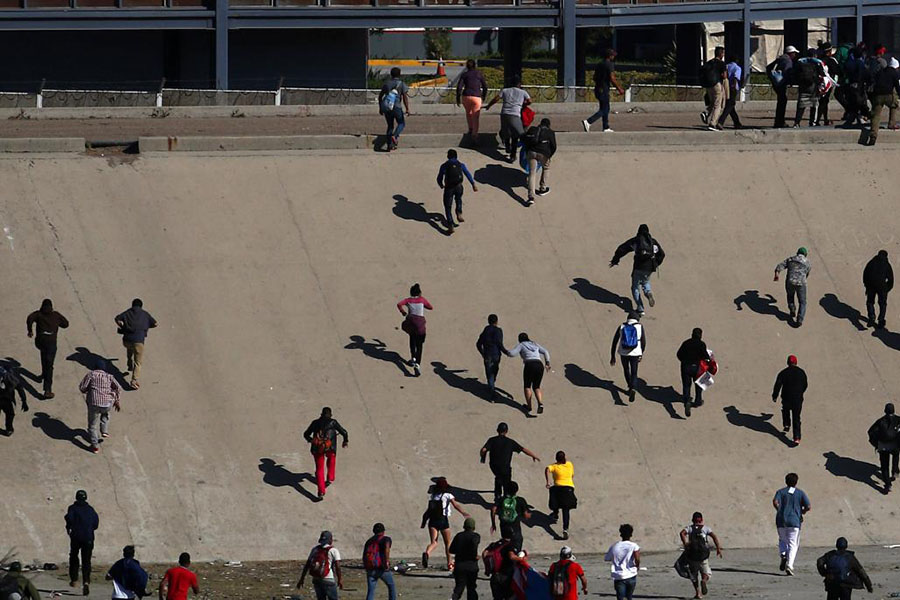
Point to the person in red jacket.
(564, 575)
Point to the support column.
(745, 36)
(567, 45)
(221, 44)
(581, 36)
(796, 33)
(846, 31)
(511, 42)
(688, 44)
(734, 39)
(859, 21)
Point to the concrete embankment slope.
(262, 269)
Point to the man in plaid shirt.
(101, 394)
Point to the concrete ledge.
(41, 144)
(253, 143)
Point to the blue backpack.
(629, 337)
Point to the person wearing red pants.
(322, 438)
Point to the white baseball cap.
(894, 64)
(790, 50)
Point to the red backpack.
(321, 443)
(493, 556)
(373, 557)
(319, 564)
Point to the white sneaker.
(586, 125)
(608, 130)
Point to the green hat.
(802, 250)
(469, 524)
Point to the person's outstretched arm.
(533, 456)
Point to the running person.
(533, 370)
(562, 490)
(450, 179)
(437, 518)
(414, 324)
(490, 347)
(630, 342)
(389, 99)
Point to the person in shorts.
(694, 538)
(532, 369)
(437, 518)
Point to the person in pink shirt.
(413, 308)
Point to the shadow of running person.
(542, 520)
(857, 470)
(505, 179)
(890, 339)
(378, 350)
(90, 361)
(589, 291)
(464, 496)
(581, 378)
(473, 386)
(760, 423)
(55, 429)
(837, 309)
(763, 305)
(667, 396)
(278, 476)
(24, 376)
(416, 211)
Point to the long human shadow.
(760, 423)
(55, 429)
(578, 376)
(857, 470)
(505, 179)
(416, 211)
(464, 496)
(472, 386)
(747, 571)
(278, 476)
(667, 396)
(24, 376)
(839, 310)
(589, 291)
(890, 339)
(91, 360)
(763, 305)
(542, 520)
(378, 350)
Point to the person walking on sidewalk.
(464, 549)
(101, 395)
(10, 385)
(450, 179)
(377, 562)
(629, 343)
(604, 77)
(648, 256)
(695, 539)
(47, 323)
(842, 572)
(490, 347)
(128, 576)
(540, 144)
(878, 279)
(625, 557)
(501, 447)
(691, 352)
(178, 581)
(790, 503)
(714, 78)
(324, 566)
(791, 383)
(564, 576)
(735, 76)
(780, 72)
(133, 325)
(321, 435)
(392, 92)
(472, 89)
(81, 523)
(884, 435)
(560, 478)
(885, 92)
(808, 72)
(798, 269)
(413, 310)
(532, 369)
(511, 127)
(437, 518)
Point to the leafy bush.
(437, 42)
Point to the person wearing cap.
(81, 523)
(790, 503)
(133, 324)
(648, 256)
(26, 588)
(177, 581)
(436, 517)
(631, 353)
(798, 268)
(781, 76)
(833, 69)
(842, 572)
(324, 566)
(884, 435)
(533, 355)
(791, 383)
(44, 325)
(377, 562)
(501, 448)
(464, 549)
(878, 279)
(625, 559)
(564, 575)
(128, 576)
(885, 92)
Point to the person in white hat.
(885, 92)
(779, 72)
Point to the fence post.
(628, 94)
(159, 94)
(39, 99)
(743, 95)
(278, 92)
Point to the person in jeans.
(321, 435)
(560, 478)
(604, 77)
(808, 72)
(540, 153)
(631, 355)
(568, 572)
(511, 126)
(413, 310)
(842, 572)
(46, 322)
(81, 523)
(377, 563)
(690, 353)
(884, 435)
(790, 503)
(464, 549)
(648, 256)
(532, 369)
(450, 179)
(798, 269)
(472, 90)
(177, 581)
(490, 347)
(324, 566)
(101, 395)
(501, 447)
(791, 383)
(128, 576)
(133, 325)
(878, 279)
(392, 92)
(625, 557)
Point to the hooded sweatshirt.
(648, 253)
(48, 322)
(878, 274)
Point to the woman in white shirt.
(532, 369)
(437, 518)
(625, 557)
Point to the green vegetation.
(437, 43)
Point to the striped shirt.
(101, 388)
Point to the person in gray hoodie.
(798, 268)
(533, 369)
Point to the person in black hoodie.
(128, 575)
(878, 278)
(322, 438)
(842, 572)
(885, 92)
(691, 352)
(81, 522)
(648, 255)
(540, 142)
(791, 383)
(490, 346)
(884, 435)
(48, 322)
(10, 385)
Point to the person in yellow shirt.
(560, 482)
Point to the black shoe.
(540, 409)
(424, 561)
(565, 534)
(698, 403)
(783, 563)
(543, 191)
(86, 590)
(687, 409)
(631, 395)
(49, 395)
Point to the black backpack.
(9, 586)
(644, 247)
(697, 547)
(532, 138)
(838, 570)
(711, 73)
(453, 174)
(559, 583)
